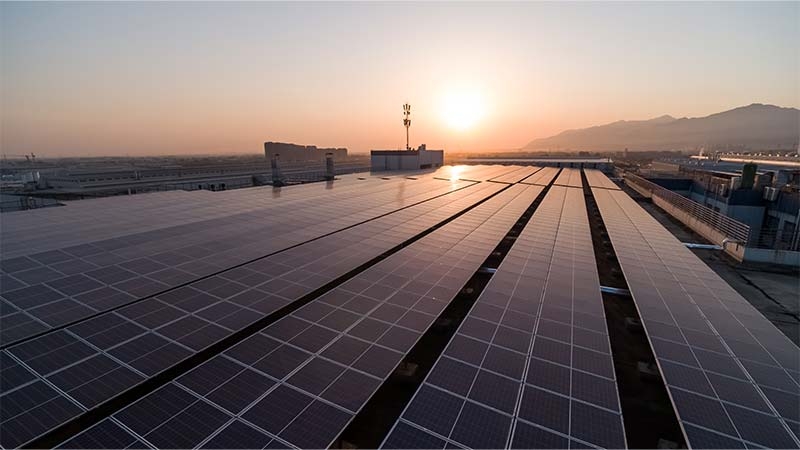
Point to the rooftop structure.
(288, 316)
(294, 152)
(105, 177)
(762, 199)
(421, 158)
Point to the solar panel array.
(99, 358)
(517, 175)
(56, 287)
(38, 230)
(569, 177)
(733, 377)
(598, 179)
(474, 172)
(302, 379)
(102, 295)
(530, 366)
(542, 177)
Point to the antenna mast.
(407, 121)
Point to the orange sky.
(153, 78)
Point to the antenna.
(407, 121)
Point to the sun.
(462, 110)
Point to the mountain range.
(756, 126)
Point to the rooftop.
(462, 307)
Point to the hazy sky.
(150, 78)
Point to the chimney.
(329, 174)
(277, 179)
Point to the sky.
(81, 79)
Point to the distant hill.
(755, 126)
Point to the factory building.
(421, 158)
(294, 152)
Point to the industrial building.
(294, 152)
(486, 306)
(421, 158)
(764, 198)
(68, 180)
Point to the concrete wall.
(750, 215)
(388, 161)
(679, 185)
(644, 192)
(692, 222)
(294, 152)
(405, 159)
(770, 256)
(431, 158)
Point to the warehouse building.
(421, 158)
(294, 152)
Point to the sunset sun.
(462, 110)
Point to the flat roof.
(274, 316)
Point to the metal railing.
(775, 238)
(731, 228)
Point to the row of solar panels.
(54, 288)
(530, 366)
(63, 285)
(733, 377)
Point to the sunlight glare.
(455, 173)
(462, 110)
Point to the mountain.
(756, 126)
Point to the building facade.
(421, 158)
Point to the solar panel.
(517, 175)
(302, 379)
(477, 172)
(145, 338)
(63, 285)
(106, 434)
(543, 177)
(530, 366)
(598, 179)
(732, 376)
(569, 177)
